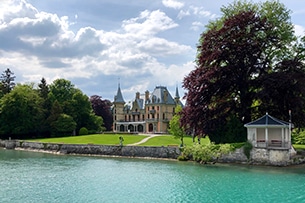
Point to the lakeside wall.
(90, 149)
(257, 157)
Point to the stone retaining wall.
(258, 156)
(90, 149)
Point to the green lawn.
(170, 140)
(103, 139)
(113, 139)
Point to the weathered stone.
(277, 157)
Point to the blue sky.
(98, 43)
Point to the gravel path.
(145, 139)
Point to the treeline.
(49, 110)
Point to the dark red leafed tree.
(102, 108)
(284, 90)
(229, 62)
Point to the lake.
(39, 177)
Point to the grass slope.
(170, 140)
(113, 139)
(102, 139)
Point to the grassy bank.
(113, 139)
(170, 140)
(102, 139)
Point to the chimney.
(138, 95)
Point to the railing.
(153, 111)
(272, 144)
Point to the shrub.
(83, 131)
(247, 149)
(182, 158)
(298, 137)
(206, 153)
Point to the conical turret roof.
(119, 97)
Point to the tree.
(61, 90)
(43, 91)
(75, 104)
(174, 125)
(55, 112)
(102, 108)
(234, 54)
(64, 125)
(284, 90)
(7, 81)
(21, 113)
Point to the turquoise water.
(37, 177)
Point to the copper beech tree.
(229, 83)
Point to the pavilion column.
(283, 137)
(266, 136)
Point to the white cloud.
(299, 30)
(196, 26)
(182, 14)
(172, 4)
(162, 47)
(148, 23)
(200, 11)
(38, 44)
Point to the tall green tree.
(21, 113)
(43, 91)
(7, 81)
(234, 54)
(175, 127)
(75, 104)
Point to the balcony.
(153, 111)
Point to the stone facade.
(149, 113)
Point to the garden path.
(145, 139)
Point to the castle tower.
(118, 109)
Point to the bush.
(206, 153)
(182, 158)
(298, 137)
(247, 149)
(83, 131)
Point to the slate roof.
(158, 96)
(140, 103)
(177, 93)
(119, 97)
(267, 120)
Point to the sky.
(100, 44)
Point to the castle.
(148, 113)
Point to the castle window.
(163, 116)
(143, 118)
(157, 108)
(148, 116)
